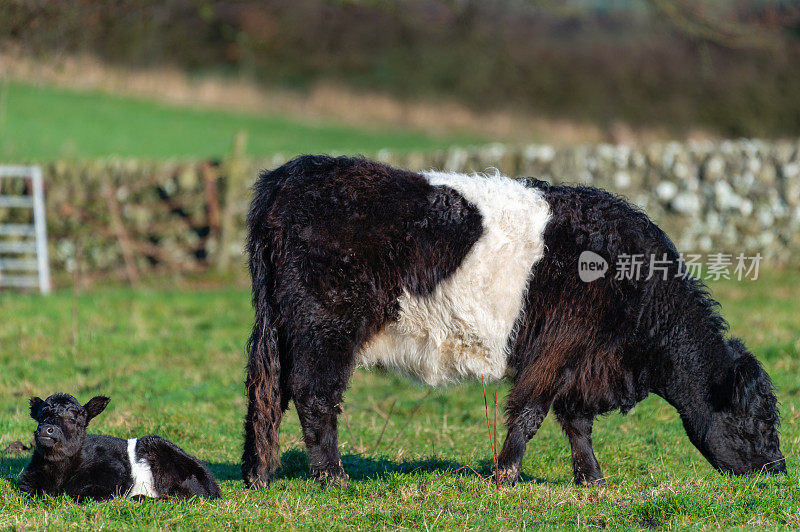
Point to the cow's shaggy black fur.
(334, 242)
(590, 348)
(67, 460)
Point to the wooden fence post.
(118, 227)
(210, 173)
(235, 171)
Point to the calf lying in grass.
(67, 460)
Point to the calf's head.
(62, 424)
(742, 431)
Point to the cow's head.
(62, 424)
(741, 435)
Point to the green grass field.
(42, 123)
(172, 359)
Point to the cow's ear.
(746, 381)
(36, 403)
(95, 406)
(739, 386)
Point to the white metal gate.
(23, 246)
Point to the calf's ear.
(95, 406)
(35, 402)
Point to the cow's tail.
(263, 382)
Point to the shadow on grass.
(11, 467)
(295, 465)
(361, 468)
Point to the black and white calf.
(67, 460)
(447, 276)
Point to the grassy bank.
(173, 362)
(39, 122)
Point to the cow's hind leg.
(578, 428)
(318, 383)
(525, 416)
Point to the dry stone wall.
(130, 217)
(738, 196)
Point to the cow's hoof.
(333, 477)
(590, 481)
(506, 476)
(255, 481)
(340, 481)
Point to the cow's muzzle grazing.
(775, 467)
